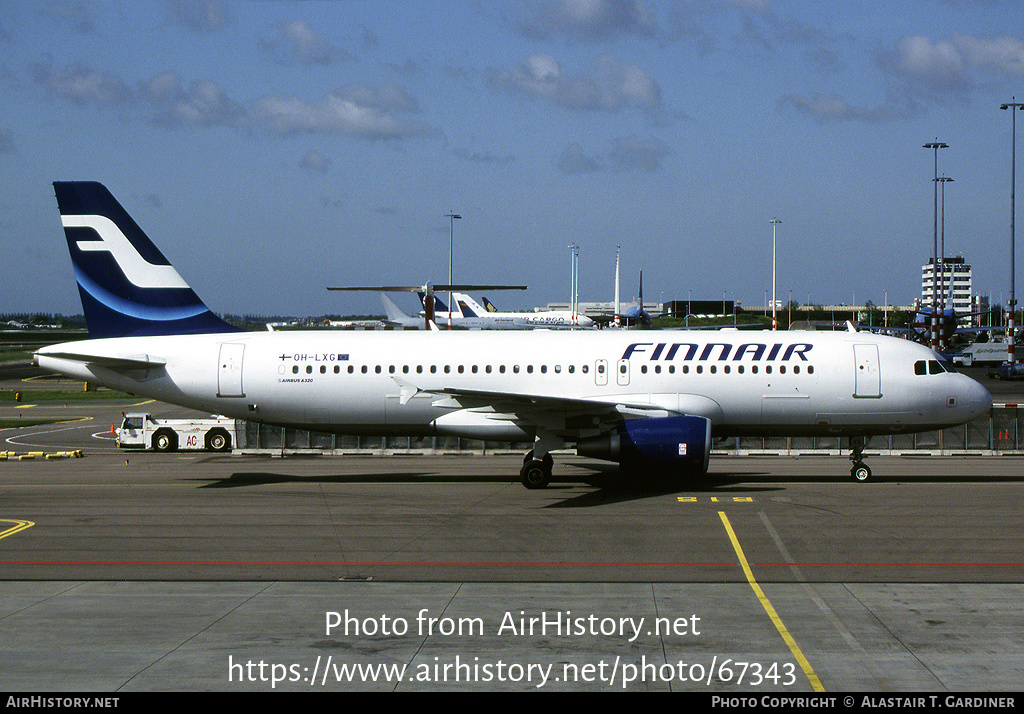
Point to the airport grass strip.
(794, 648)
(59, 395)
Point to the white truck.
(982, 353)
(143, 431)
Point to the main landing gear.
(536, 473)
(860, 471)
(537, 464)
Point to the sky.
(272, 149)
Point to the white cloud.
(835, 108)
(595, 20)
(1002, 55)
(358, 111)
(609, 86)
(204, 104)
(198, 15)
(83, 85)
(938, 65)
(300, 41)
(631, 153)
(627, 154)
(951, 66)
(922, 69)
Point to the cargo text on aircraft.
(753, 351)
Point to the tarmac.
(142, 572)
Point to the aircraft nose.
(976, 398)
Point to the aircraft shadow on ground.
(263, 478)
(605, 483)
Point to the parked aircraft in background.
(652, 400)
(472, 315)
(920, 328)
(635, 317)
(395, 317)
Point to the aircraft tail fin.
(465, 309)
(469, 306)
(394, 313)
(439, 306)
(127, 286)
(949, 297)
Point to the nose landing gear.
(860, 471)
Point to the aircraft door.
(868, 377)
(601, 372)
(229, 371)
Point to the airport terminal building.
(935, 284)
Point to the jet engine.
(680, 442)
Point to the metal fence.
(998, 433)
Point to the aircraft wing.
(564, 415)
(505, 402)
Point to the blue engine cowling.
(678, 442)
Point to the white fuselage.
(502, 385)
(552, 320)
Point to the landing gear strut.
(860, 471)
(536, 473)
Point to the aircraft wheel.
(165, 441)
(218, 440)
(548, 460)
(860, 473)
(535, 474)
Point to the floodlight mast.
(452, 217)
(1010, 357)
(775, 321)
(942, 250)
(935, 145)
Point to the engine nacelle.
(682, 441)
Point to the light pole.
(935, 145)
(1013, 179)
(452, 217)
(574, 250)
(775, 319)
(942, 253)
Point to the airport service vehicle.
(982, 353)
(142, 431)
(649, 401)
(1011, 371)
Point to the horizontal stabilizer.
(117, 363)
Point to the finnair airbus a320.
(642, 399)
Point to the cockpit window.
(933, 366)
(947, 365)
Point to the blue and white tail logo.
(126, 284)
